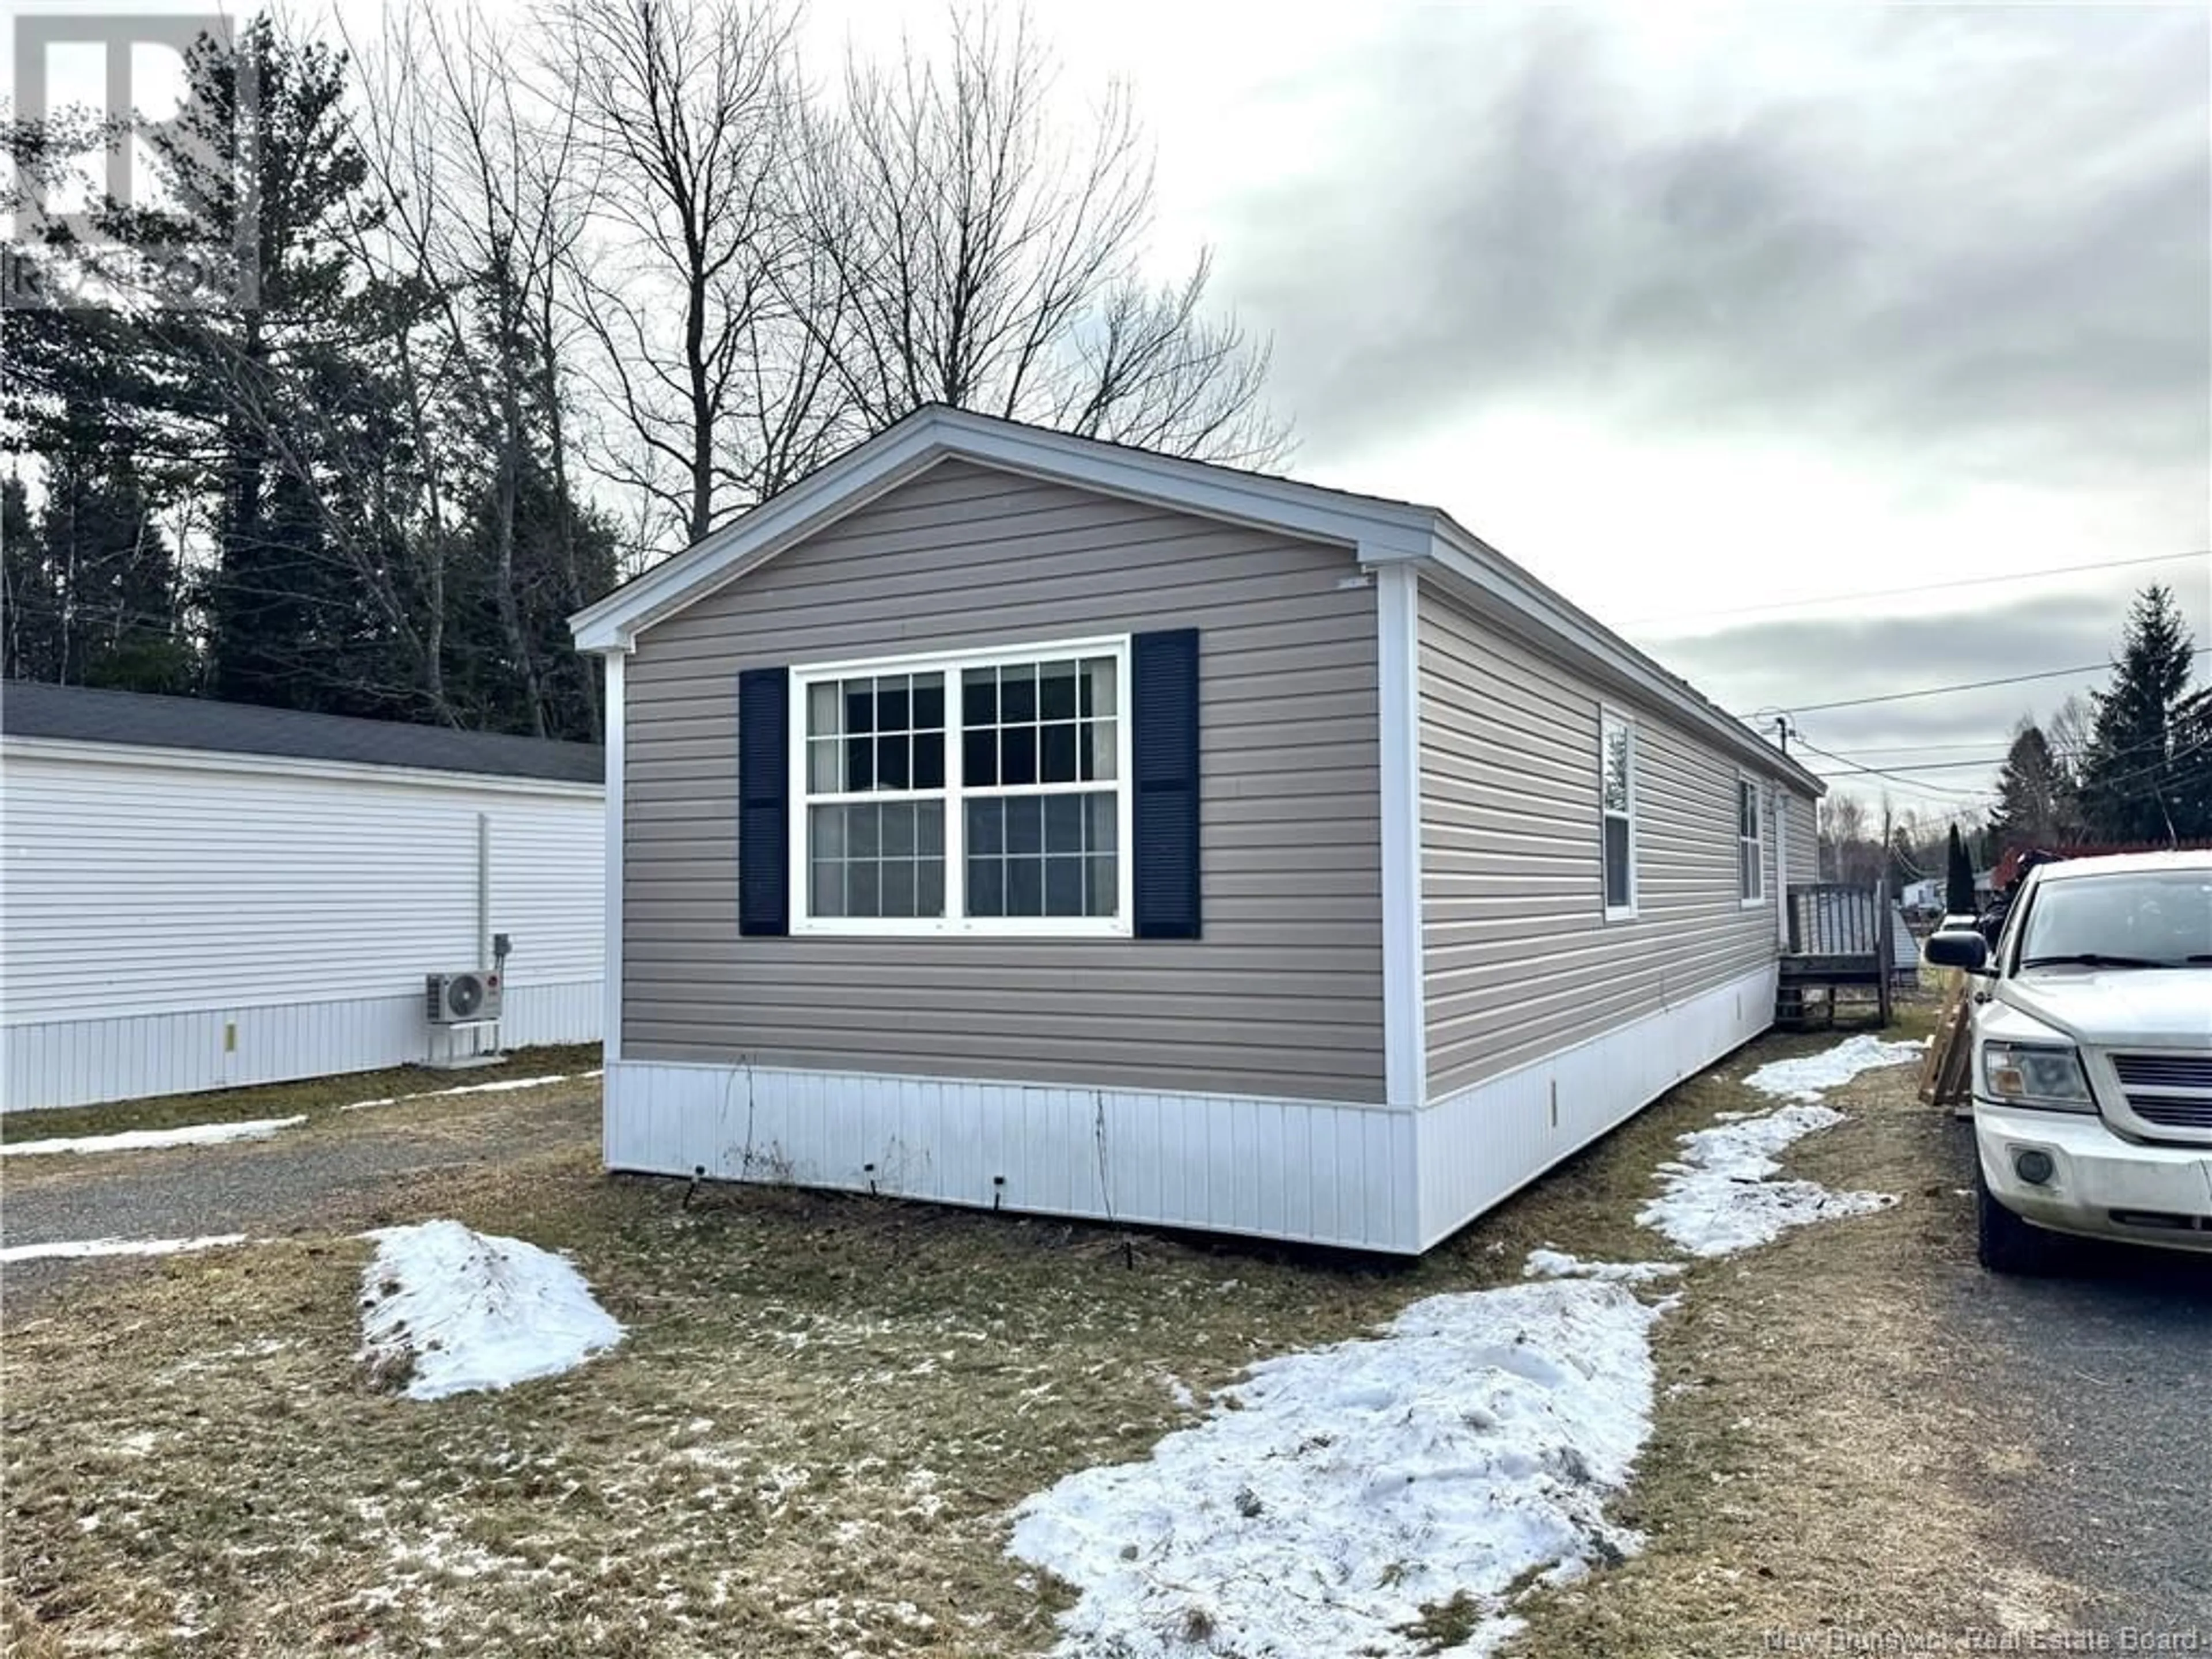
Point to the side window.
(1751, 846)
(1617, 809)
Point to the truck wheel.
(2003, 1243)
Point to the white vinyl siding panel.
(1519, 960)
(148, 906)
(1281, 996)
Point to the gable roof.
(1378, 530)
(80, 714)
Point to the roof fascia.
(1504, 591)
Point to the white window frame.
(1747, 784)
(954, 923)
(1608, 716)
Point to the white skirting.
(1482, 1143)
(1367, 1177)
(122, 1057)
(1324, 1173)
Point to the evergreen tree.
(28, 604)
(2033, 808)
(1959, 879)
(2190, 801)
(2134, 768)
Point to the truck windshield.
(2135, 919)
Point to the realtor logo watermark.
(132, 180)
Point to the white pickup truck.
(2093, 1057)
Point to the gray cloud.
(1792, 662)
(1988, 237)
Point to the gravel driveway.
(328, 1173)
(2107, 1367)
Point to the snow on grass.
(1719, 1197)
(1336, 1494)
(1803, 1078)
(86, 1247)
(500, 1087)
(1557, 1264)
(137, 1141)
(455, 1310)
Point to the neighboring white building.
(199, 895)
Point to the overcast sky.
(1689, 311)
(1700, 312)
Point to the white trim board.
(285, 766)
(1404, 1016)
(615, 718)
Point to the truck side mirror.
(1958, 947)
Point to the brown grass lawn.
(319, 1098)
(826, 1406)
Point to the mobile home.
(1009, 818)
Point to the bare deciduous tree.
(715, 391)
(986, 254)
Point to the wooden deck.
(1841, 938)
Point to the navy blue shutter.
(764, 804)
(1164, 746)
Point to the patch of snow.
(1180, 1392)
(470, 1311)
(1718, 1198)
(1557, 1264)
(500, 1087)
(136, 1140)
(1338, 1491)
(1803, 1078)
(84, 1247)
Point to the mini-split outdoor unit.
(471, 998)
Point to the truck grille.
(2190, 1071)
(2172, 1091)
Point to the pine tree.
(2191, 800)
(2033, 803)
(2133, 766)
(1959, 879)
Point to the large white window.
(1750, 844)
(963, 792)
(1617, 807)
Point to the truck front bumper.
(2099, 1186)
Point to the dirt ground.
(825, 1407)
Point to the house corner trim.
(1404, 1035)
(611, 709)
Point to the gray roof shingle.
(30, 709)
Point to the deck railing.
(1843, 932)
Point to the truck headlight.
(2048, 1076)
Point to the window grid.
(1751, 845)
(1097, 868)
(1617, 815)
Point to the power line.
(1853, 770)
(1966, 686)
(2006, 577)
(1902, 777)
(1902, 774)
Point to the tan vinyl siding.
(1519, 961)
(1283, 995)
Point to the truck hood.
(2120, 1007)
